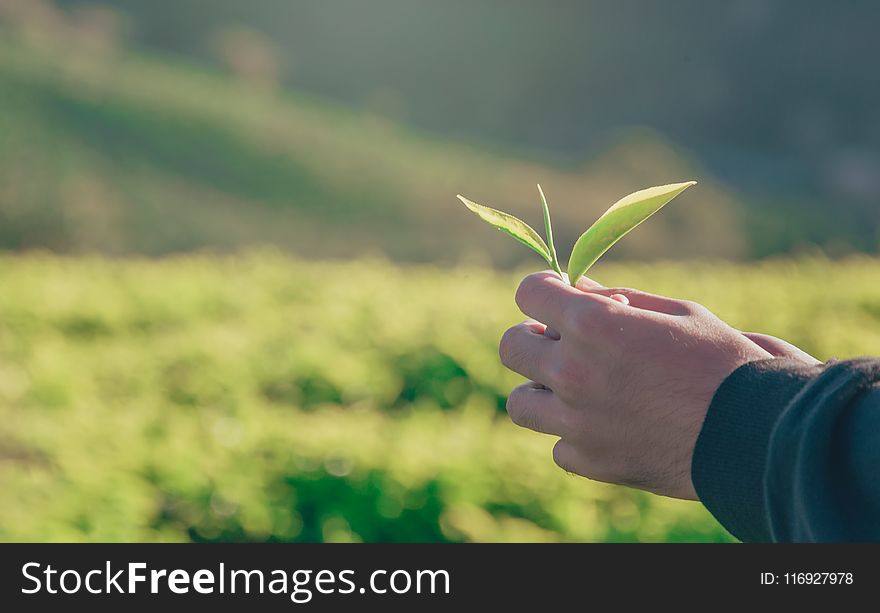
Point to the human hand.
(623, 377)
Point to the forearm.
(789, 452)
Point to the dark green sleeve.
(791, 453)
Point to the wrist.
(730, 454)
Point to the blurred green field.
(259, 397)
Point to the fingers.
(547, 298)
(585, 283)
(567, 457)
(779, 348)
(645, 301)
(536, 408)
(550, 332)
(637, 298)
(526, 350)
(570, 459)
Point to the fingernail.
(620, 298)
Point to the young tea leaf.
(509, 224)
(616, 222)
(548, 229)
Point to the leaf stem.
(554, 261)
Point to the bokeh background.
(239, 301)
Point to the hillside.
(106, 150)
(775, 97)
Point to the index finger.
(546, 298)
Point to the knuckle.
(562, 456)
(693, 309)
(514, 351)
(523, 418)
(506, 346)
(522, 292)
(526, 288)
(518, 410)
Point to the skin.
(623, 377)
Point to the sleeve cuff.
(730, 455)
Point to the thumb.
(779, 348)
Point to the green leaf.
(616, 222)
(548, 229)
(509, 224)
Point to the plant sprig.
(548, 229)
(614, 224)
